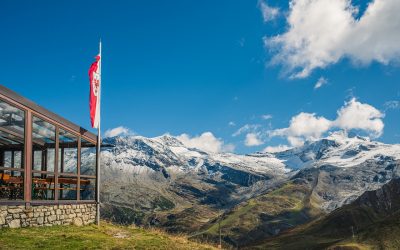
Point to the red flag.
(94, 99)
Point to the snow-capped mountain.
(338, 149)
(343, 167)
(168, 154)
(157, 174)
(146, 175)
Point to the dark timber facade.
(45, 160)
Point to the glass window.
(12, 137)
(67, 187)
(43, 186)
(37, 160)
(43, 155)
(43, 145)
(11, 185)
(88, 188)
(17, 159)
(7, 159)
(88, 158)
(68, 152)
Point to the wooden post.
(56, 170)
(28, 159)
(78, 186)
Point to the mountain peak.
(169, 140)
(345, 136)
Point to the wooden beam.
(56, 166)
(78, 194)
(28, 158)
(21, 101)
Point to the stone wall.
(47, 215)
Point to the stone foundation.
(47, 215)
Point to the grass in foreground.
(107, 236)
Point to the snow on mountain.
(339, 168)
(337, 149)
(144, 174)
(168, 153)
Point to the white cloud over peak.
(305, 125)
(356, 115)
(121, 130)
(353, 115)
(268, 13)
(206, 142)
(321, 32)
(321, 82)
(252, 139)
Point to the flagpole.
(98, 146)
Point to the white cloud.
(321, 32)
(353, 115)
(356, 115)
(206, 142)
(252, 140)
(304, 125)
(232, 124)
(268, 13)
(391, 105)
(246, 128)
(321, 82)
(275, 149)
(266, 117)
(117, 131)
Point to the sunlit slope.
(370, 222)
(108, 236)
(265, 215)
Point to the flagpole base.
(98, 213)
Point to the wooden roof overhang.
(25, 103)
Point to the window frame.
(27, 169)
(12, 169)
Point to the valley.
(159, 182)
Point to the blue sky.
(186, 67)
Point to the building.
(47, 166)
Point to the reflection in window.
(68, 152)
(17, 159)
(88, 189)
(12, 159)
(12, 127)
(43, 186)
(37, 160)
(67, 187)
(88, 158)
(43, 144)
(7, 161)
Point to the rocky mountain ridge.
(160, 181)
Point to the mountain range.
(253, 199)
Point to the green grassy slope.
(370, 222)
(384, 234)
(107, 236)
(265, 215)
